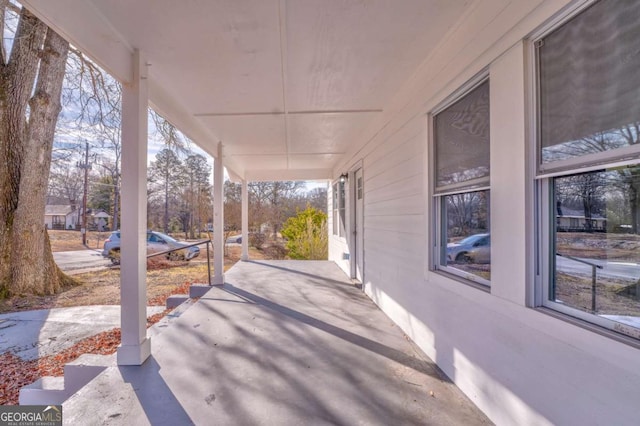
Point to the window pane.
(589, 82)
(466, 240)
(341, 190)
(597, 244)
(462, 139)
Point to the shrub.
(306, 235)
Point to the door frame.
(357, 253)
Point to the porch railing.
(594, 266)
(206, 242)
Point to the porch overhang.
(287, 87)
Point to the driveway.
(32, 334)
(80, 259)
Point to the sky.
(69, 137)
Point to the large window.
(589, 165)
(461, 194)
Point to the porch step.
(176, 300)
(198, 290)
(44, 391)
(85, 368)
(56, 390)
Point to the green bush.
(306, 235)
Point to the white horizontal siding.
(408, 168)
(518, 364)
(389, 155)
(397, 191)
(411, 205)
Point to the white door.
(358, 227)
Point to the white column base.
(244, 258)
(134, 354)
(218, 279)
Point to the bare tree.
(273, 201)
(65, 181)
(172, 137)
(95, 99)
(317, 198)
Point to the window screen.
(589, 82)
(462, 141)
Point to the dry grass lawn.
(72, 240)
(164, 278)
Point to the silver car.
(481, 253)
(459, 252)
(156, 243)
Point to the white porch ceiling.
(287, 86)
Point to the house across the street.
(64, 216)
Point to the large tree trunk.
(26, 262)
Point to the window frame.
(437, 196)
(544, 197)
(338, 208)
(546, 208)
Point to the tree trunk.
(26, 262)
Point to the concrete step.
(176, 300)
(56, 390)
(44, 391)
(198, 290)
(85, 368)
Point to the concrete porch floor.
(281, 343)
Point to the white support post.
(245, 221)
(218, 218)
(135, 347)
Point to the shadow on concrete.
(371, 345)
(299, 272)
(155, 397)
(274, 347)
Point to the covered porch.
(281, 342)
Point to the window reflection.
(599, 142)
(597, 243)
(467, 239)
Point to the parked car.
(459, 252)
(156, 242)
(237, 239)
(480, 253)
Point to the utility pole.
(86, 166)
